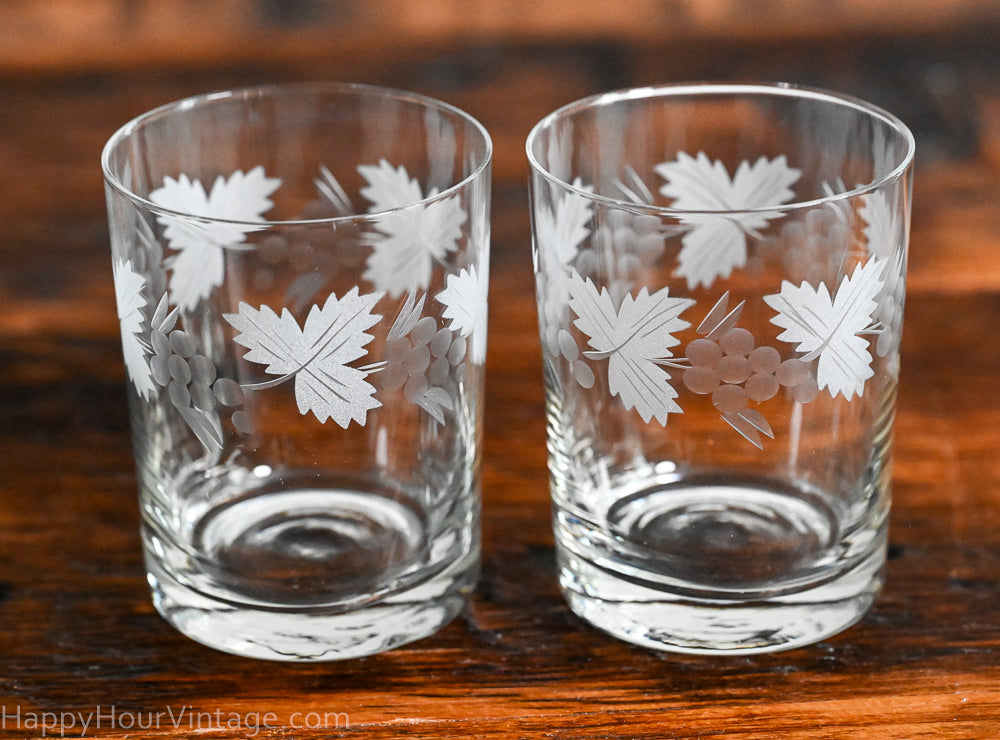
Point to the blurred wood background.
(76, 626)
(64, 34)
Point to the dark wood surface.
(78, 634)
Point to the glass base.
(310, 575)
(312, 636)
(719, 568)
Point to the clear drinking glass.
(301, 278)
(720, 277)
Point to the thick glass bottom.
(719, 568)
(311, 575)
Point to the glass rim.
(696, 89)
(130, 128)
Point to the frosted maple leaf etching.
(233, 204)
(830, 327)
(636, 340)
(135, 350)
(882, 228)
(716, 243)
(465, 301)
(559, 233)
(411, 236)
(315, 355)
(561, 229)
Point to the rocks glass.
(720, 279)
(301, 278)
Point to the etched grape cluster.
(314, 253)
(571, 353)
(735, 372)
(812, 249)
(636, 240)
(420, 363)
(314, 257)
(421, 359)
(192, 381)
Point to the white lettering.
(176, 721)
(80, 723)
(15, 717)
(110, 717)
(85, 722)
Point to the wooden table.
(79, 639)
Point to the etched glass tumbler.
(720, 278)
(301, 279)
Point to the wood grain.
(63, 34)
(77, 631)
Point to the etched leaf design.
(233, 203)
(750, 424)
(411, 237)
(407, 317)
(562, 229)
(316, 355)
(635, 339)
(465, 301)
(559, 233)
(389, 187)
(716, 242)
(334, 193)
(884, 234)
(828, 327)
(135, 350)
